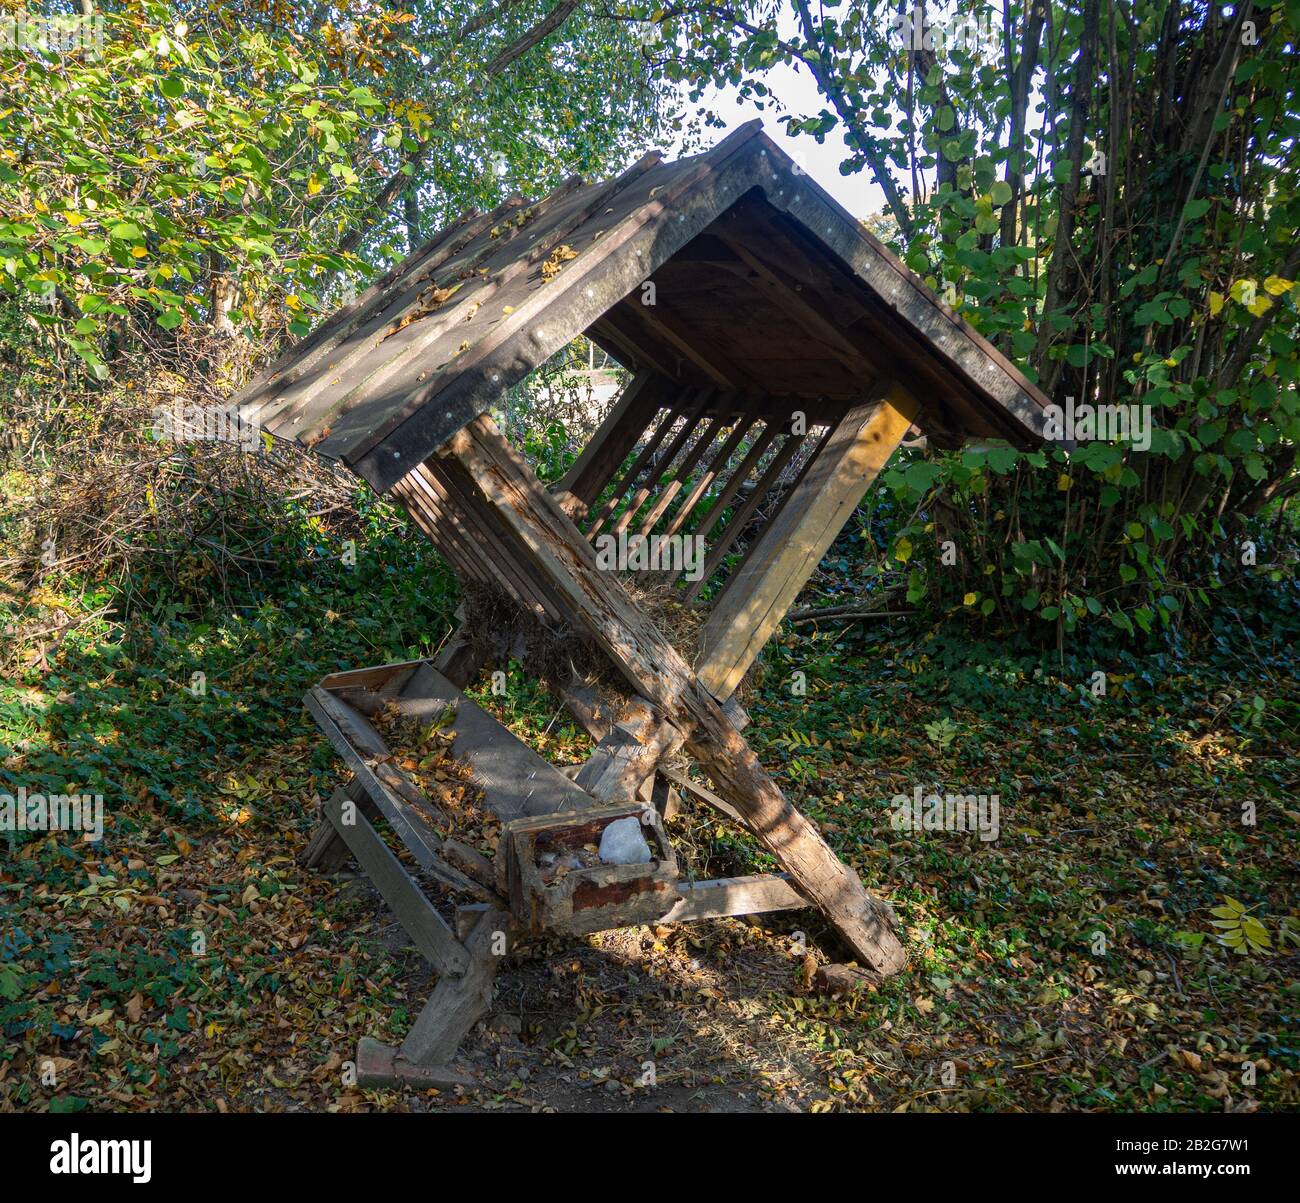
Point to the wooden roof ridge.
(388, 379)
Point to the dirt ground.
(678, 1019)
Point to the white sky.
(794, 91)
(797, 92)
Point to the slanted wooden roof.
(764, 287)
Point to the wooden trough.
(778, 355)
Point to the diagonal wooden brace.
(556, 551)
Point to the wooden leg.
(328, 851)
(457, 1003)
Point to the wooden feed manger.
(784, 357)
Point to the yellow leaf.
(1260, 306)
(313, 185)
(1216, 303)
(138, 252)
(903, 550)
(1063, 482)
(1243, 291)
(970, 599)
(1277, 286)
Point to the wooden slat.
(666, 423)
(446, 524)
(675, 486)
(710, 474)
(723, 896)
(737, 478)
(792, 546)
(352, 736)
(436, 529)
(740, 519)
(428, 930)
(663, 465)
(771, 518)
(560, 229)
(368, 678)
(329, 334)
(438, 532)
(485, 543)
(625, 423)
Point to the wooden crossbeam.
(800, 303)
(553, 546)
(760, 593)
(759, 894)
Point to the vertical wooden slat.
(625, 423)
(428, 522)
(661, 470)
(439, 525)
(742, 516)
(738, 478)
(629, 478)
(675, 486)
(710, 474)
(775, 515)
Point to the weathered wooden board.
(723, 896)
(515, 781)
(428, 930)
(761, 591)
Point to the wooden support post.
(457, 1003)
(763, 589)
(427, 929)
(460, 1000)
(326, 850)
(554, 547)
(609, 446)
